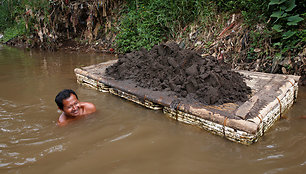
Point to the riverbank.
(240, 38)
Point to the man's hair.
(64, 94)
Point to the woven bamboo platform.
(242, 122)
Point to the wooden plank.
(245, 108)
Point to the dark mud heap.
(167, 67)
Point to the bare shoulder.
(89, 107)
(62, 121)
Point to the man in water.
(67, 101)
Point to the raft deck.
(242, 122)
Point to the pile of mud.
(167, 67)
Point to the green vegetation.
(17, 18)
(8, 12)
(13, 31)
(10, 25)
(287, 16)
(253, 11)
(274, 29)
(148, 22)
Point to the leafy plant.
(8, 12)
(14, 31)
(286, 19)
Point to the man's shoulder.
(89, 107)
(62, 120)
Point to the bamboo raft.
(242, 122)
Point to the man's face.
(71, 106)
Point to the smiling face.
(71, 106)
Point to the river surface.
(121, 137)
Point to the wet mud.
(167, 67)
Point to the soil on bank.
(167, 67)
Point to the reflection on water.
(121, 137)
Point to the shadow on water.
(121, 137)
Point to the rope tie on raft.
(144, 98)
(280, 107)
(160, 100)
(224, 124)
(263, 128)
(263, 125)
(280, 104)
(174, 107)
(259, 117)
(177, 108)
(291, 83)
(294, 95)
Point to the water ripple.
(278, 156)
(277, 170)
(8, 130)
(3, 145)
(303, 164)
(4, 164)
(27, 160)
(43, 142)
(121, 137)
(57, 148)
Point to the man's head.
(67, 101)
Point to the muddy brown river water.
(121, 137)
